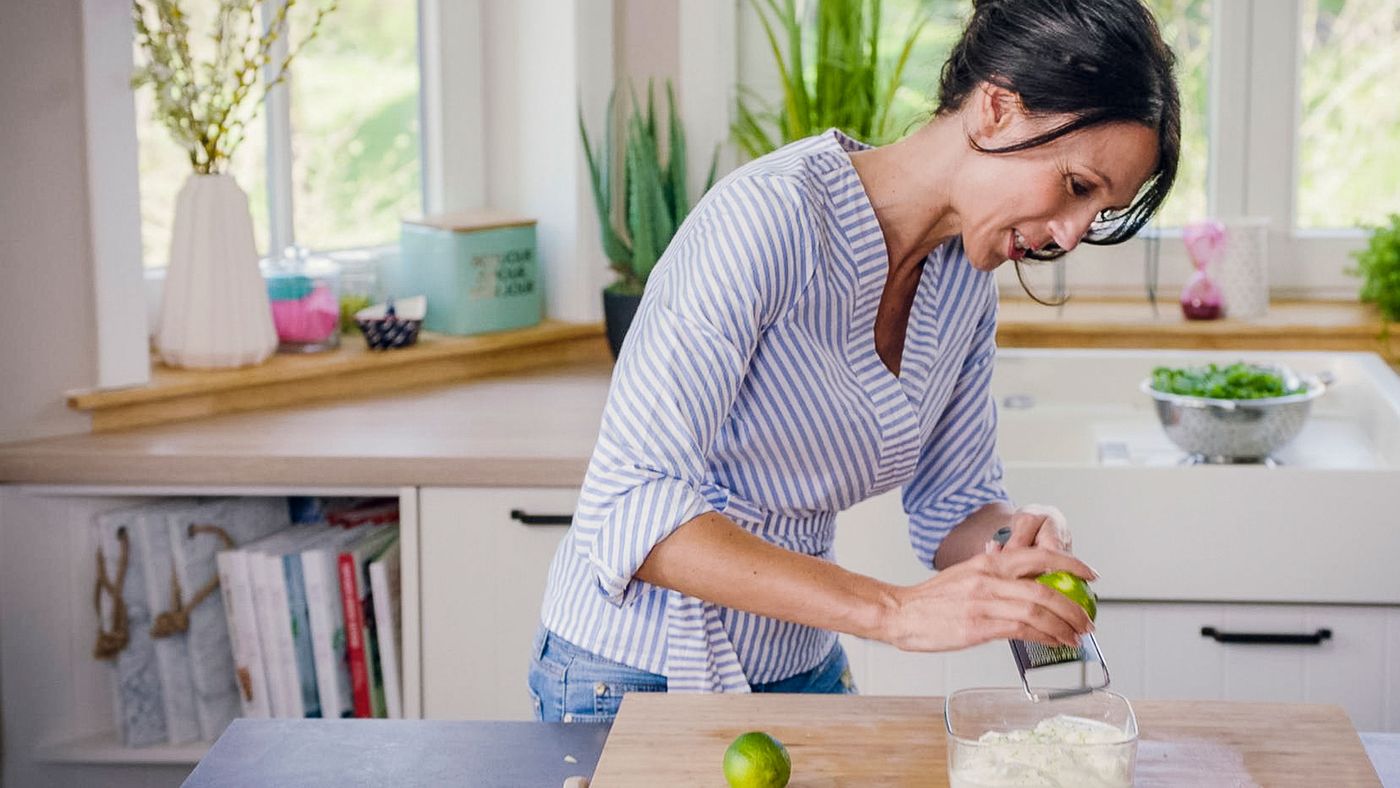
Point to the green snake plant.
(841, 89)
(637, 218)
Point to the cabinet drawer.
(1159, 651)
(485, 559)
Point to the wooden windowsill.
(1130, 323)
(349, 371)
(353, 371)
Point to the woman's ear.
(996, 111)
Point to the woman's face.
(1012, 203)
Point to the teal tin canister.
(479, 271)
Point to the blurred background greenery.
(1349, 125)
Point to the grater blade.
(1030, 656)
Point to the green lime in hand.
(757, 760)
(1073, 587)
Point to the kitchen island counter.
(415, 752)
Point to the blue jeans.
(569, 684)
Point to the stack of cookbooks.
(313, 614)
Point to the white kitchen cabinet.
(58, 699)
(1155, 649)
(482, 575)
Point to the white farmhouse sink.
(1322, 525)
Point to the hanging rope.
(177, 619)
(110, 642)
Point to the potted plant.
(843, 88)
(215, 310)
(1378, 265)
(642, 198)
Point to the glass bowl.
(997, 737)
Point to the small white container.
(1088, 740)
(1243, 269)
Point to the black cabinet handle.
(541, 519)
(1267, 638)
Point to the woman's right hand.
(989, 597)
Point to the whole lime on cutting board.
(1073, 587)
(757, 760)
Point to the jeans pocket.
(546, 688)
(593, 691)
(607, 697)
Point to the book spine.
(354, 635)
(323, 615)
(243, 629)
(304, 657)
(268, 618)
(385, 615)
(286, 649)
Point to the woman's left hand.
(1038, 525)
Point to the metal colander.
(1236, 430)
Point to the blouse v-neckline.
(896, 397)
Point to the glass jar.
(359, 287)
(305, 293)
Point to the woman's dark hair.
(1095, 61)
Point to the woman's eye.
(1078, 187)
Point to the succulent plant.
(638, 217)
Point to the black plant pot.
(618, 310)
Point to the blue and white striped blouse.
(749, 384)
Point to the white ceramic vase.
(215, 311)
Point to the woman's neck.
(909, 184)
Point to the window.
(346, 167)
(354, 118)
(1186, 28)
(1350, 113)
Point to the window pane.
(355, 141)
(1349, 132)
(164, 165)
(917, 96)
(1185, 26)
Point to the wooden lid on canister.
(472, 220)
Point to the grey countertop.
(487, 754)
(297, 753)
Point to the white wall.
(46, 286)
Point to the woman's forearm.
(713, 559)
(970, 537)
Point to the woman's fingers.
(1042, 607)
(1041, 526)
(1008, 620)
(1034, 561)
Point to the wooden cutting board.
(679, 740)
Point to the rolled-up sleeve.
(734, 267)
(959, 471)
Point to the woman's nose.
(1069, 230)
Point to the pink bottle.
(1205, 242)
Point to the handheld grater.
(1030, 656)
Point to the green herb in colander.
(1237, 381)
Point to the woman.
(821, 330)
